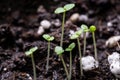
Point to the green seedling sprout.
(92, 30)
(49, 39)
(85, 29)
(76, 36)
(70, 48)
(63, 10)
(30, 53)
(59, 50)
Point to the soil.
(20, 20)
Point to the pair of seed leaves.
(48, 37)
(67, 7)
(31, 51)
(84, 28)
(59, 50)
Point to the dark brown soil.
(19, 22)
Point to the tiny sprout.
(70, 48)
(63, 10)
(85, 29)
(67, 7)
(92, 30)
(48, 38)
(59, 50)
(76, 36)
(30, 53)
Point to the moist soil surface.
(20, 20)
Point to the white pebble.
(115, 68)
(89, 63)
(40, 30)
(5, 69)
(71, 32)
(56, 22)
(41, 9)
(115, 56)
(74, 17)
(109, 24)
(45, 24)
(112, 41)
(83, 18)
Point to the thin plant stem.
(34, 69)
(48, 55)
(84, 48)
(70, 72)
(63, 62)
(63, 22)
(80, 56)
(94, 42)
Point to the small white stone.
(74, 17)
(40, 30)
(112, 41)
(41, 9)
(45, 24)
(109, 24)
(89, 63)
(5, 69)
(115, 68)
(83, 18)
(56, 22)
(115, 56)
(71, 32)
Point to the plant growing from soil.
(30, 53)
(70, 48)
(59, 50)
(76, 36)
(92, 30)
(85, 29)
(49, 39)
(63, 10)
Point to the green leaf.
(70, 47)
(79, 32)
(27, 53)
(59, 10)
(51, 38)
(92, 28)
(31, 51)
(74, 36)
(68, 7)
(59, 50)
(48, 37)
(84, 28)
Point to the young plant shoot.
(92, 30)
(85, 29)
(30, 53)
(70, 48)
(49, 39)
(63, 10)
(76, 36)
(59, 50)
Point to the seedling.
(76, 36)
(70, 48)
(30, 53)
(85, 29)
(63, 10)
(49, 39)
(92, 30)
(59, 50)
